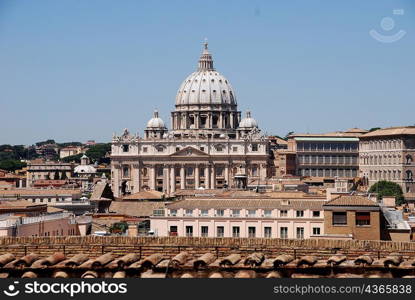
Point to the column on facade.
(152, 177)
(197, 176)
(116, 179)
(197, 120)
(213, 177)
(221, 120)
(227, 174)
(136, 178)
(172, 179)
(166, 179)
(231, 121)
(207, 177)
(263, 171)
(182, 178)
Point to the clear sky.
(74, 70)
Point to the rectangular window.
(220, 231)
(267, 213)
(189, 212)
(283, 213)
(126, 171)
(173, 231)
(235, 231)
(300, 213)
(236, 213)
(125, 148)
(145, 149)
(284, 232)
(339, 218)
(235, 149)
(316, 213)
(300, 232)
(251, 232)
(255, 147)
(267, 232)
(204, 230)
(173, 212)
(204, 212)
(220, 212)
(189, 231)
(362, 218)
(316, 230)
(251, 213)
(202, 148)
(158, 212)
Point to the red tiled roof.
(351, 201)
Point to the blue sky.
(74, 70)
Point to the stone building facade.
(46, 170)
(327, 155)
(389, 154)
(209, 145)
(241, 218)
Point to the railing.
(31, 220)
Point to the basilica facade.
(208, 146)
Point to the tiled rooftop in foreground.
(121, 257)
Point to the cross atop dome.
(205, 43)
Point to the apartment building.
(389, 154)
(328, 155)
(227, 217)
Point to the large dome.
(206, 85)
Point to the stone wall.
(170, 246)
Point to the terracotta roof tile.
(351, 201)
(246, 203)
(403, 130)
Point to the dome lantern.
(206, 60)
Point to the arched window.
(408, 159)
(409, 175)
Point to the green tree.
(288, 134)
(11, 164)
(73, 158)
(62, 145)
(50, 141)
(374, 129)
(98, 152)
(119, 228)
(388, 188)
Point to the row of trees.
(11, 156)
(96, 153)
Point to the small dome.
(156, 121)
(248, 121)
(85, 169)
